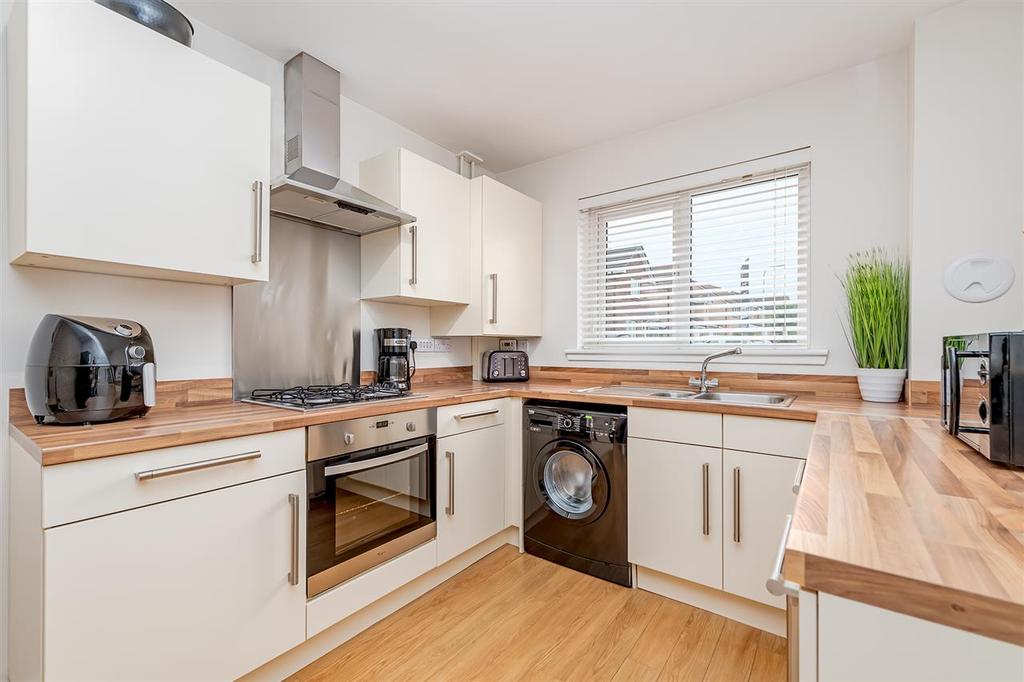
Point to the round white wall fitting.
(978, 278)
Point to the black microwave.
(983, 393)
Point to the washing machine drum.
(571, 480)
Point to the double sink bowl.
(729, 397)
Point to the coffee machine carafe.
(396, 356)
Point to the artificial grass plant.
(877, 287)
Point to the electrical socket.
(442, 346)
(424, 345)
(506, 344)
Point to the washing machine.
(574, 487)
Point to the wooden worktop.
(214, 420)
(895, 512)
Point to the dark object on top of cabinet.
(983, 393)
(505, 365)
(157, 15)
(89, 369)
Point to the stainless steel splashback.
(302, 326)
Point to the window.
(720, 264)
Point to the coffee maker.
(396, 356)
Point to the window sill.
(750, 356)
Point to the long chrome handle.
(482, 413)
(705, 475)
(373, 463)
(149, 384)
(450, 509)
(257, 254)
(196, 466)
(776, 584)
(736, 504)
(494, 297)
(799, 478)
(415, 254)
(293, 573)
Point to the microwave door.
(967, 393)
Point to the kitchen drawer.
(82, 490)
(786, 437)
(676, 426)
(453, 419)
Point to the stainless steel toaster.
(505, 365)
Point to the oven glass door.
(367, 507)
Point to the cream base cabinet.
(505, 267)
(675, 509)
(426, 262)
(470, 489)
(758, 494)
(132, 154)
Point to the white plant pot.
(881, 385)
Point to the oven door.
(367, 507)
(966, 407)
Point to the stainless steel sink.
(775, 399)
(637, 392)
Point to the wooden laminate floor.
(514, 616)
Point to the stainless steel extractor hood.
(312, 190)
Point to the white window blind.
(721, 264)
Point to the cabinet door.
(675, 509)
(195, 588)
(765, 496)
(142, 154)
(511, 261)
(470, 489)
(435, 254)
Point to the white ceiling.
(520, 82)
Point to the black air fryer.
(89, 369)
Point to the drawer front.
(452, 419)
(786, 437)
(676, 426)
(82, 490)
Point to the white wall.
(856, 123)
(968, 168)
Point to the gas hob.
(306, 398)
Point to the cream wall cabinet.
(426, 262)
(131, 154)
(470, 489)
(757, 495)
(675, 509)
(505, 267)
(205, 580)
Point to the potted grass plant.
(877, 287)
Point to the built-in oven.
(370, 483)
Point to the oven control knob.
(410, 426)
(136, 352)
(350, 438)
(983, 412)
(982, 373)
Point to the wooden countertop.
(167, 427)
(895, 512)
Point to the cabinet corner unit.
(504, 267)
(132, 154)
(425, 262)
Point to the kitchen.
(620, 512)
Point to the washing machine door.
(571, 481)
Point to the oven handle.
(953, 409)
(363, 465)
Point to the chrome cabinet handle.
(415, 255)
(705, 474)
(257, 189)
(293, 573)
(471, 415)
(494, 297)
(775, 584)
(196, 466)
(450, 509)
(799, 478)
(736, 504)
(374, 462)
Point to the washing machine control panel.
(591, 426)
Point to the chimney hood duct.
(312, 190)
